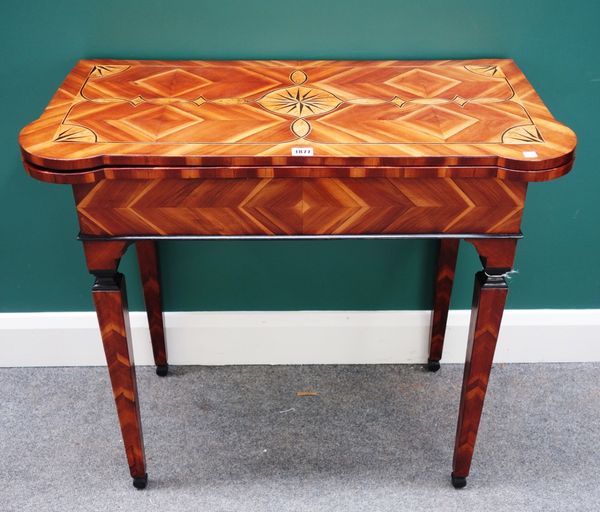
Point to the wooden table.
(297, 149)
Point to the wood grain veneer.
(252, 113)
(291, 206)
(197, 148)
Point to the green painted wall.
(556, 43)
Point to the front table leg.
(110, 299)
(489, 298)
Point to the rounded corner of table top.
(380, 113)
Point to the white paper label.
(530, 154)
(302, 152)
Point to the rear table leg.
(444, 281)
(149, 270)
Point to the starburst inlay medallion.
(300, 101)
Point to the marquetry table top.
(298, 113)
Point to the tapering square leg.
(149, 269)
(444, 280)
(110, 299)
(489, 298)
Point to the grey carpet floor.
(375, 438)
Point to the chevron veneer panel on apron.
(290, 206)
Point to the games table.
(187, 150)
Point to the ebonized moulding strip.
(413, 236)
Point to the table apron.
(300, 207)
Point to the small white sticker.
(302, 152)
(530, 154)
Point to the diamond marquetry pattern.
(224, 114)
(294, 206)
(394, 104)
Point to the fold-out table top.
(302, 114)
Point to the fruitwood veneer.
(299, 206)
(277, 149)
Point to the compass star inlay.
(300, 101)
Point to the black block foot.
(433, 366)
(140, 482)
(162, 370)
(459, 481)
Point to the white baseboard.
(299, 337)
